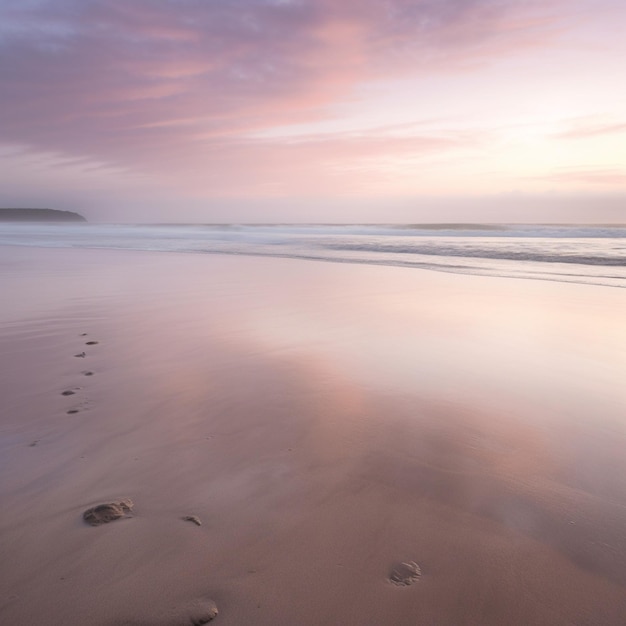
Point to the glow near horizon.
(510, 100)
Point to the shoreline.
(324, 423)
(589, 257)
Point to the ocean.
(565, 253)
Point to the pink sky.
(315, 110)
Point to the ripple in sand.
(405, 574)
(193, 614)
(197, 613)
(104, 513)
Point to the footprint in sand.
(405, 574)
(91, 343)
(81, 355)
(109, 512)
(68, 392)
(72, 411)
(87, 373)
(192, 518)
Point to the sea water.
(566, 253)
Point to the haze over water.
(584, 254)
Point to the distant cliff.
(39, 215)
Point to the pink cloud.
(159, 84)
(342, 164)
(584, 130)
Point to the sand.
(325, 424)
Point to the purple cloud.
(155, 84)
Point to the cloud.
(342, 163)
(174, 85)
(585, 130)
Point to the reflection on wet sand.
(326, 424)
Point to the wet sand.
(325, 423)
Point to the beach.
(325, 423)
